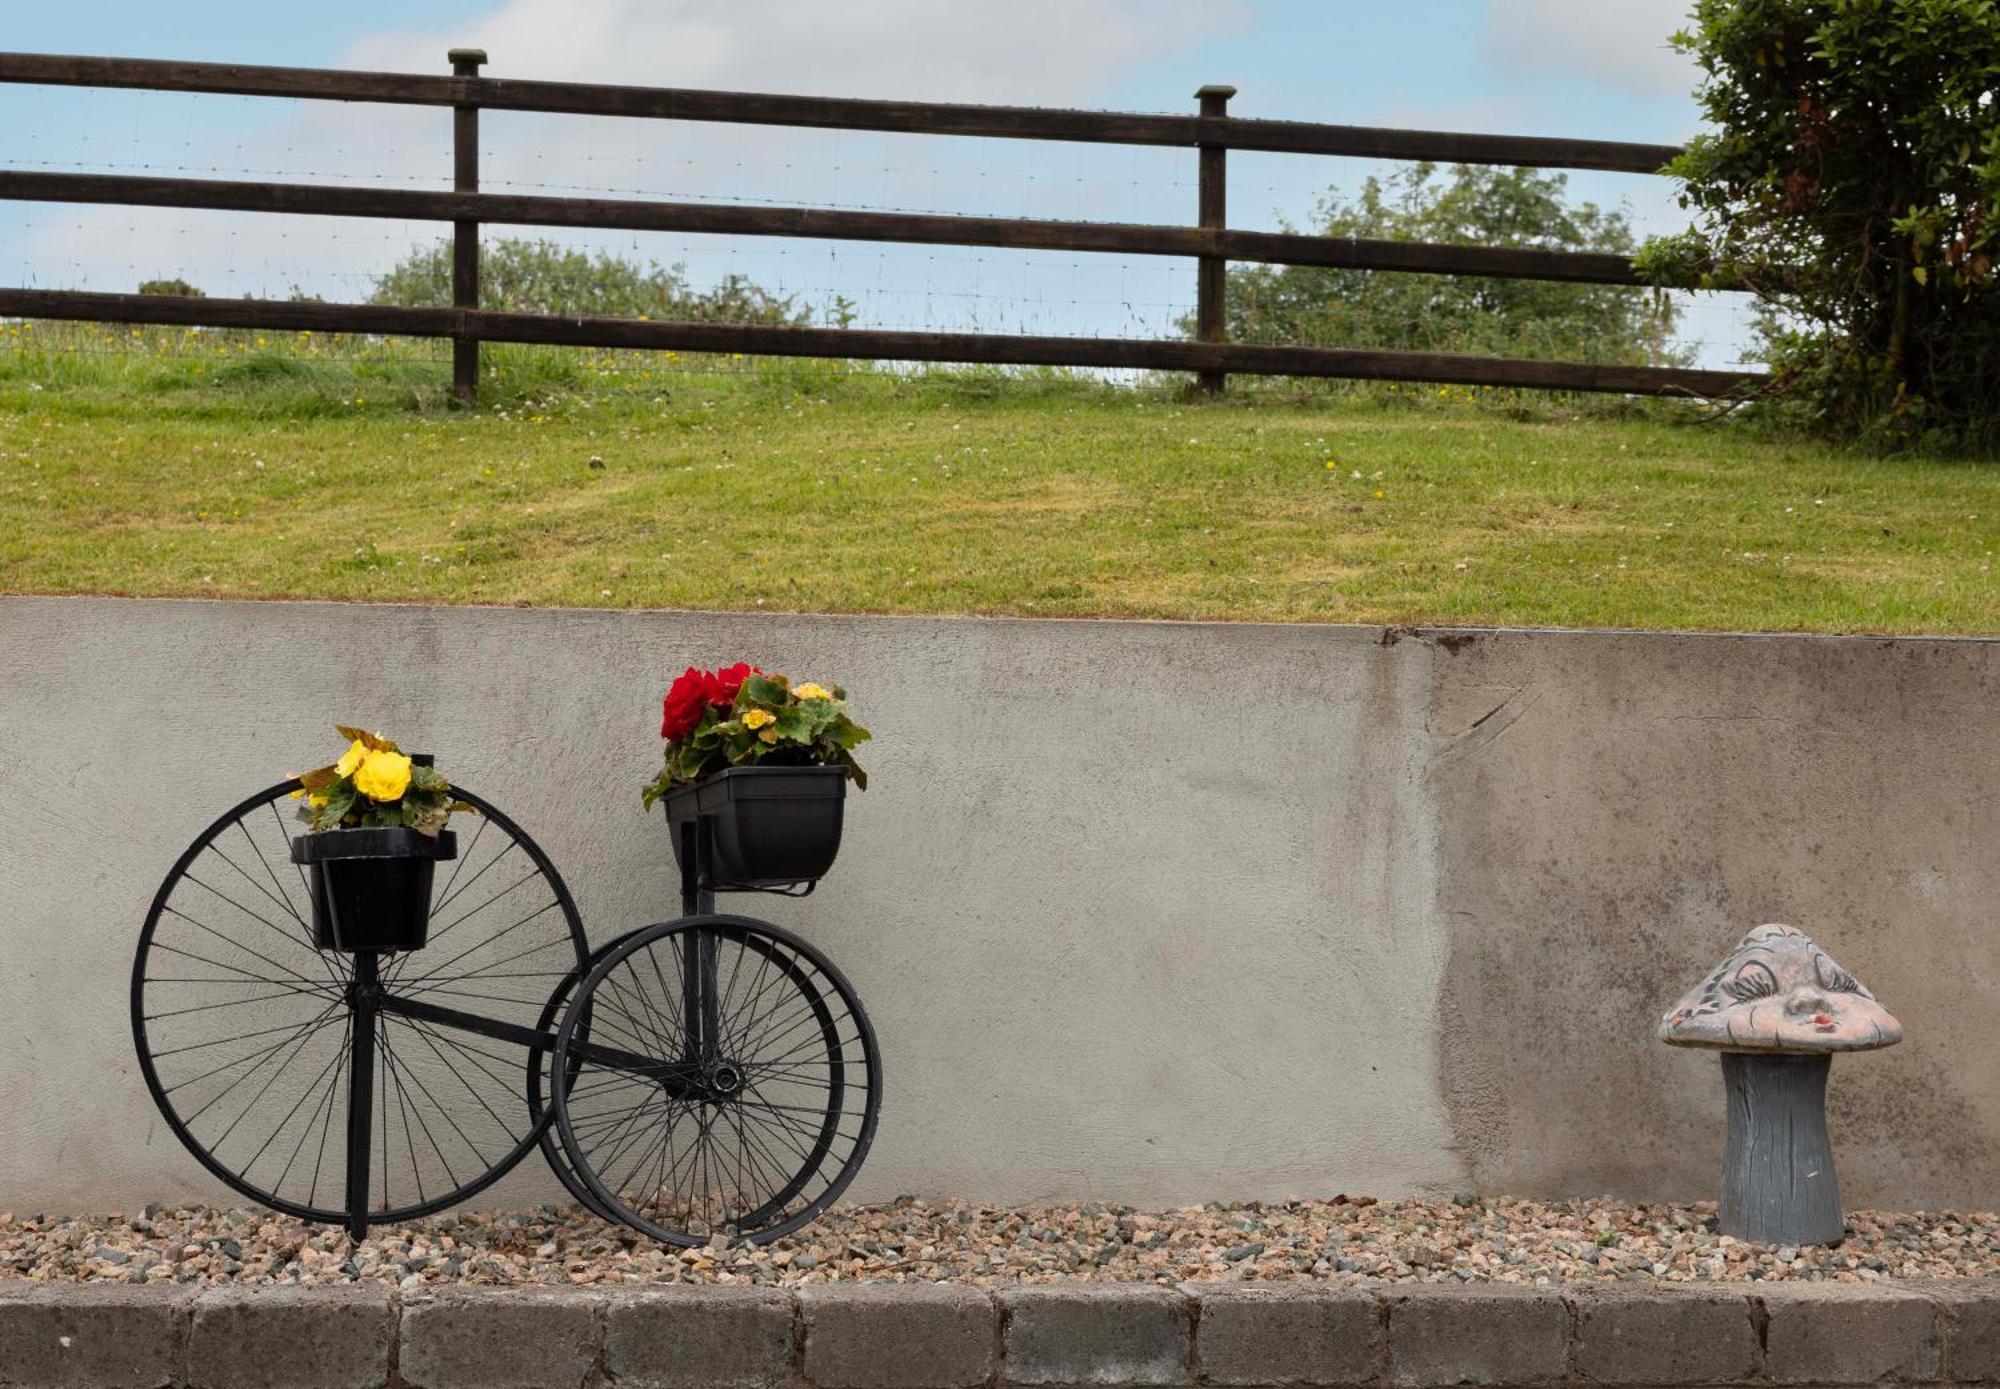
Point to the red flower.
(687, 700)
(729, 680)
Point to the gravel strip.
(1348, 1240)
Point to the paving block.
(1972, 1329)
(1664, 1335)
(1105, 1333)
(497, 1338)
(699, 1338)
(898, 1336)
(65, 1336)
(1472, 1334)
(291, 1338)
(1285, 1334)
(1843, 1333)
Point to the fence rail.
(1211, 243)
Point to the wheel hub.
(724, 1080)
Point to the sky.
(1601, 68)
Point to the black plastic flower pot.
(767, 826)
(371, 888)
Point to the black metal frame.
(700, 1074)
(366, 997)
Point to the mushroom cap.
(1778, 991)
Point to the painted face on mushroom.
(1778, 991)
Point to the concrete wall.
(1149, 912)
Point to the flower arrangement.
(375, 784)
(740, 716)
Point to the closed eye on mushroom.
(1754, 980)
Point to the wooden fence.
(1210, 242)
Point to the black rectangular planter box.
(768, 826)
(371, 888)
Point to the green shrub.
(522, 276)
(1526, 208)
(1851, 179)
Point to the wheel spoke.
(771, 1126)
(246, 1045)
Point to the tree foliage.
(173, 286)
(1469, 205)
(1851, 179)
(537, 276)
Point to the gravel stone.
(1347, 1240)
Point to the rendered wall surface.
(1149, 912)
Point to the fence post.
(465, 62)
(1212, 272)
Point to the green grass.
(296, 468)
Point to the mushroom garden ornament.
(1777, 1009)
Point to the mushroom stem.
(1778, 1184)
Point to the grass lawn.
(225, 469)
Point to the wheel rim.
(749, 1134)
(541, 1071)
(243, 1028)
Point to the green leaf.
(772, 690)
(318, 779)
(339, 800)
(373, 741)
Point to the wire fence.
(1095, 309)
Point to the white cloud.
(1021, 51)
(1026, 52)
(1620, 44)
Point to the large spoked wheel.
(727, 1083)
(351, 1088)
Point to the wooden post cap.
(461, 56)
(1221, 91)
(1777, 991)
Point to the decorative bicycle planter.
(708, 1075)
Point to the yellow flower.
(351, 759)
(811, 691)
(757, 718)
(383, 776)
(316, 799)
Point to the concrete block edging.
(944, 1336)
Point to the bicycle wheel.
(728, 1084)
(541, 1073)
(346, 1087)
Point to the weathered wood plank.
(1019, 233)
(987, 348)
(839, 113)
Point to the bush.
(1322, 307)
(175, 286)
(519, 276)
(1851, 179)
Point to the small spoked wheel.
(722, 1080)
(351, 1088)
